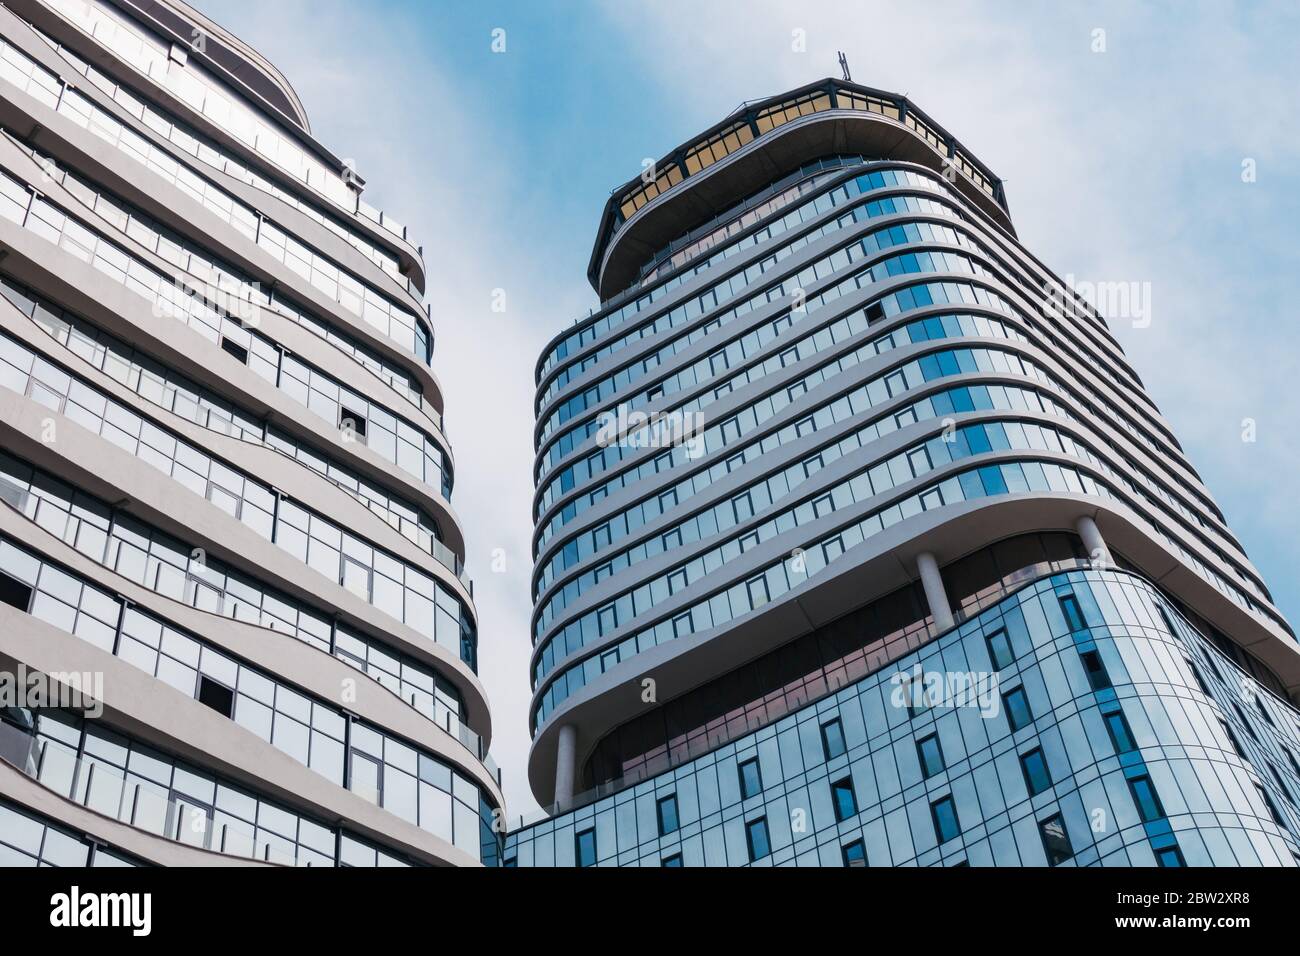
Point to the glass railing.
(95, 785)
(192, 86)
(445, 720)
(694, 746)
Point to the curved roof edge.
(225, 54)
(752, 146)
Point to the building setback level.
(859, 542)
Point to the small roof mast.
(844, 67)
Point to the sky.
(1154, 144)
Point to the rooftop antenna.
(844, 68)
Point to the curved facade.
(225, 474)
(831, 413)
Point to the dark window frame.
(854, 845)
(751, 826)
(1054, 857)
(826, 744)
(758, 777)
(838, 788)
(938, 827)
(660, 804)
(1019, 690)
(1029, 779)
(577, 847)
(926, 772)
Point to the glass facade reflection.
(1158, 767)
(832, 424)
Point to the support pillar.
(1093, 542)
(566, 760)
(935, 594)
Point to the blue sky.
(1120, 166)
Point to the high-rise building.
(858, 541)
(235, 625)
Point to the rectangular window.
(756, 837)
(1281, 786)
(1272, 807)
(999, 649)
(584, 848)
(944, 813)
(217, 696)
(14, 593)
(235, 349)
(1120, 735)
(671, 861)
(751, 779)
(352, 422)
(1096, 670)
(1196, 673)
(1073, 614)
(1263, 712)
(1016, 705)
(846, 803)
(364, 778)
(928, 749)
(1290, 758)
(1232, 739)
(833, 738)
(1170, 857)
(1241, 716)
(917, 695)
(1144, 795)
(1034, 766)
(667, 807)
(855, 853)
(1055, 840)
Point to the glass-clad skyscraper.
(224, 475)
(858, 541)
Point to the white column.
(566, 759)
(1093, 542)
(935, 595)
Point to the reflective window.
(757, 838)
(1000, 649)
(1056, 842)
(927, 748)
(1170, 857)
(1016, 706)
(667, 812)
(1095, 669)
(1144, 795)
(1073, 615)
(844, 799)
(1120, 736)
(584, 848)
(1034, 766)
(855, 853)
(833, 739)
(944, 814)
